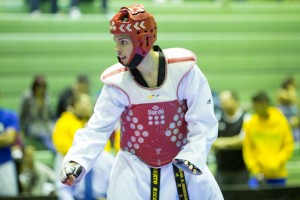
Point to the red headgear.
(140, 25)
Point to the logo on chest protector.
(156, 116)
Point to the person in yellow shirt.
(65, 128)
(71, 120)
(268, 143)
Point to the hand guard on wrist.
(70, 168)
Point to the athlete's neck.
(150, 63)
(149, 68)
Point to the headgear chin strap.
(141, 26)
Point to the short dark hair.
(82, 78)
(38, 81)
(261, 97)
(287, 82)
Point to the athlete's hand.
(187, 165)
(71, 170)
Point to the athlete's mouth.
(122, 57)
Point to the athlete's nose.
(117, 48)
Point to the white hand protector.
(70, 168)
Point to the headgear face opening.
(140, 25)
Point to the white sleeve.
(90, 141)
(200, 117)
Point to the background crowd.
(73, 8)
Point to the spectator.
(268, 143)
(287, 102)
(167, 119)
(217, 108)
(104, 6)
(74, 10)
(231, 168)
(36, 116)
(9, 128)
(75, 118)
(81, 85)
(37, 178)
(35, 6)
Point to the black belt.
(179, 179)
(180, 183)
(155, 182)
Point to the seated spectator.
(231, 168)
(217, 108)
(268, 143)
(36, 116)
(36, 178)
(81, 85)
(9, 128)
(287, 102)
(96, 181)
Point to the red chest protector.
(154, 132)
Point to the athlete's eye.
(124, 41)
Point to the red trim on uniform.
(115, 72)
(184, 59)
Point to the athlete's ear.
(146, 42)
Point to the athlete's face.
(124, 47)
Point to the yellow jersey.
(65, 129)
(268, 144)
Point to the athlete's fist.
(71, 170)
